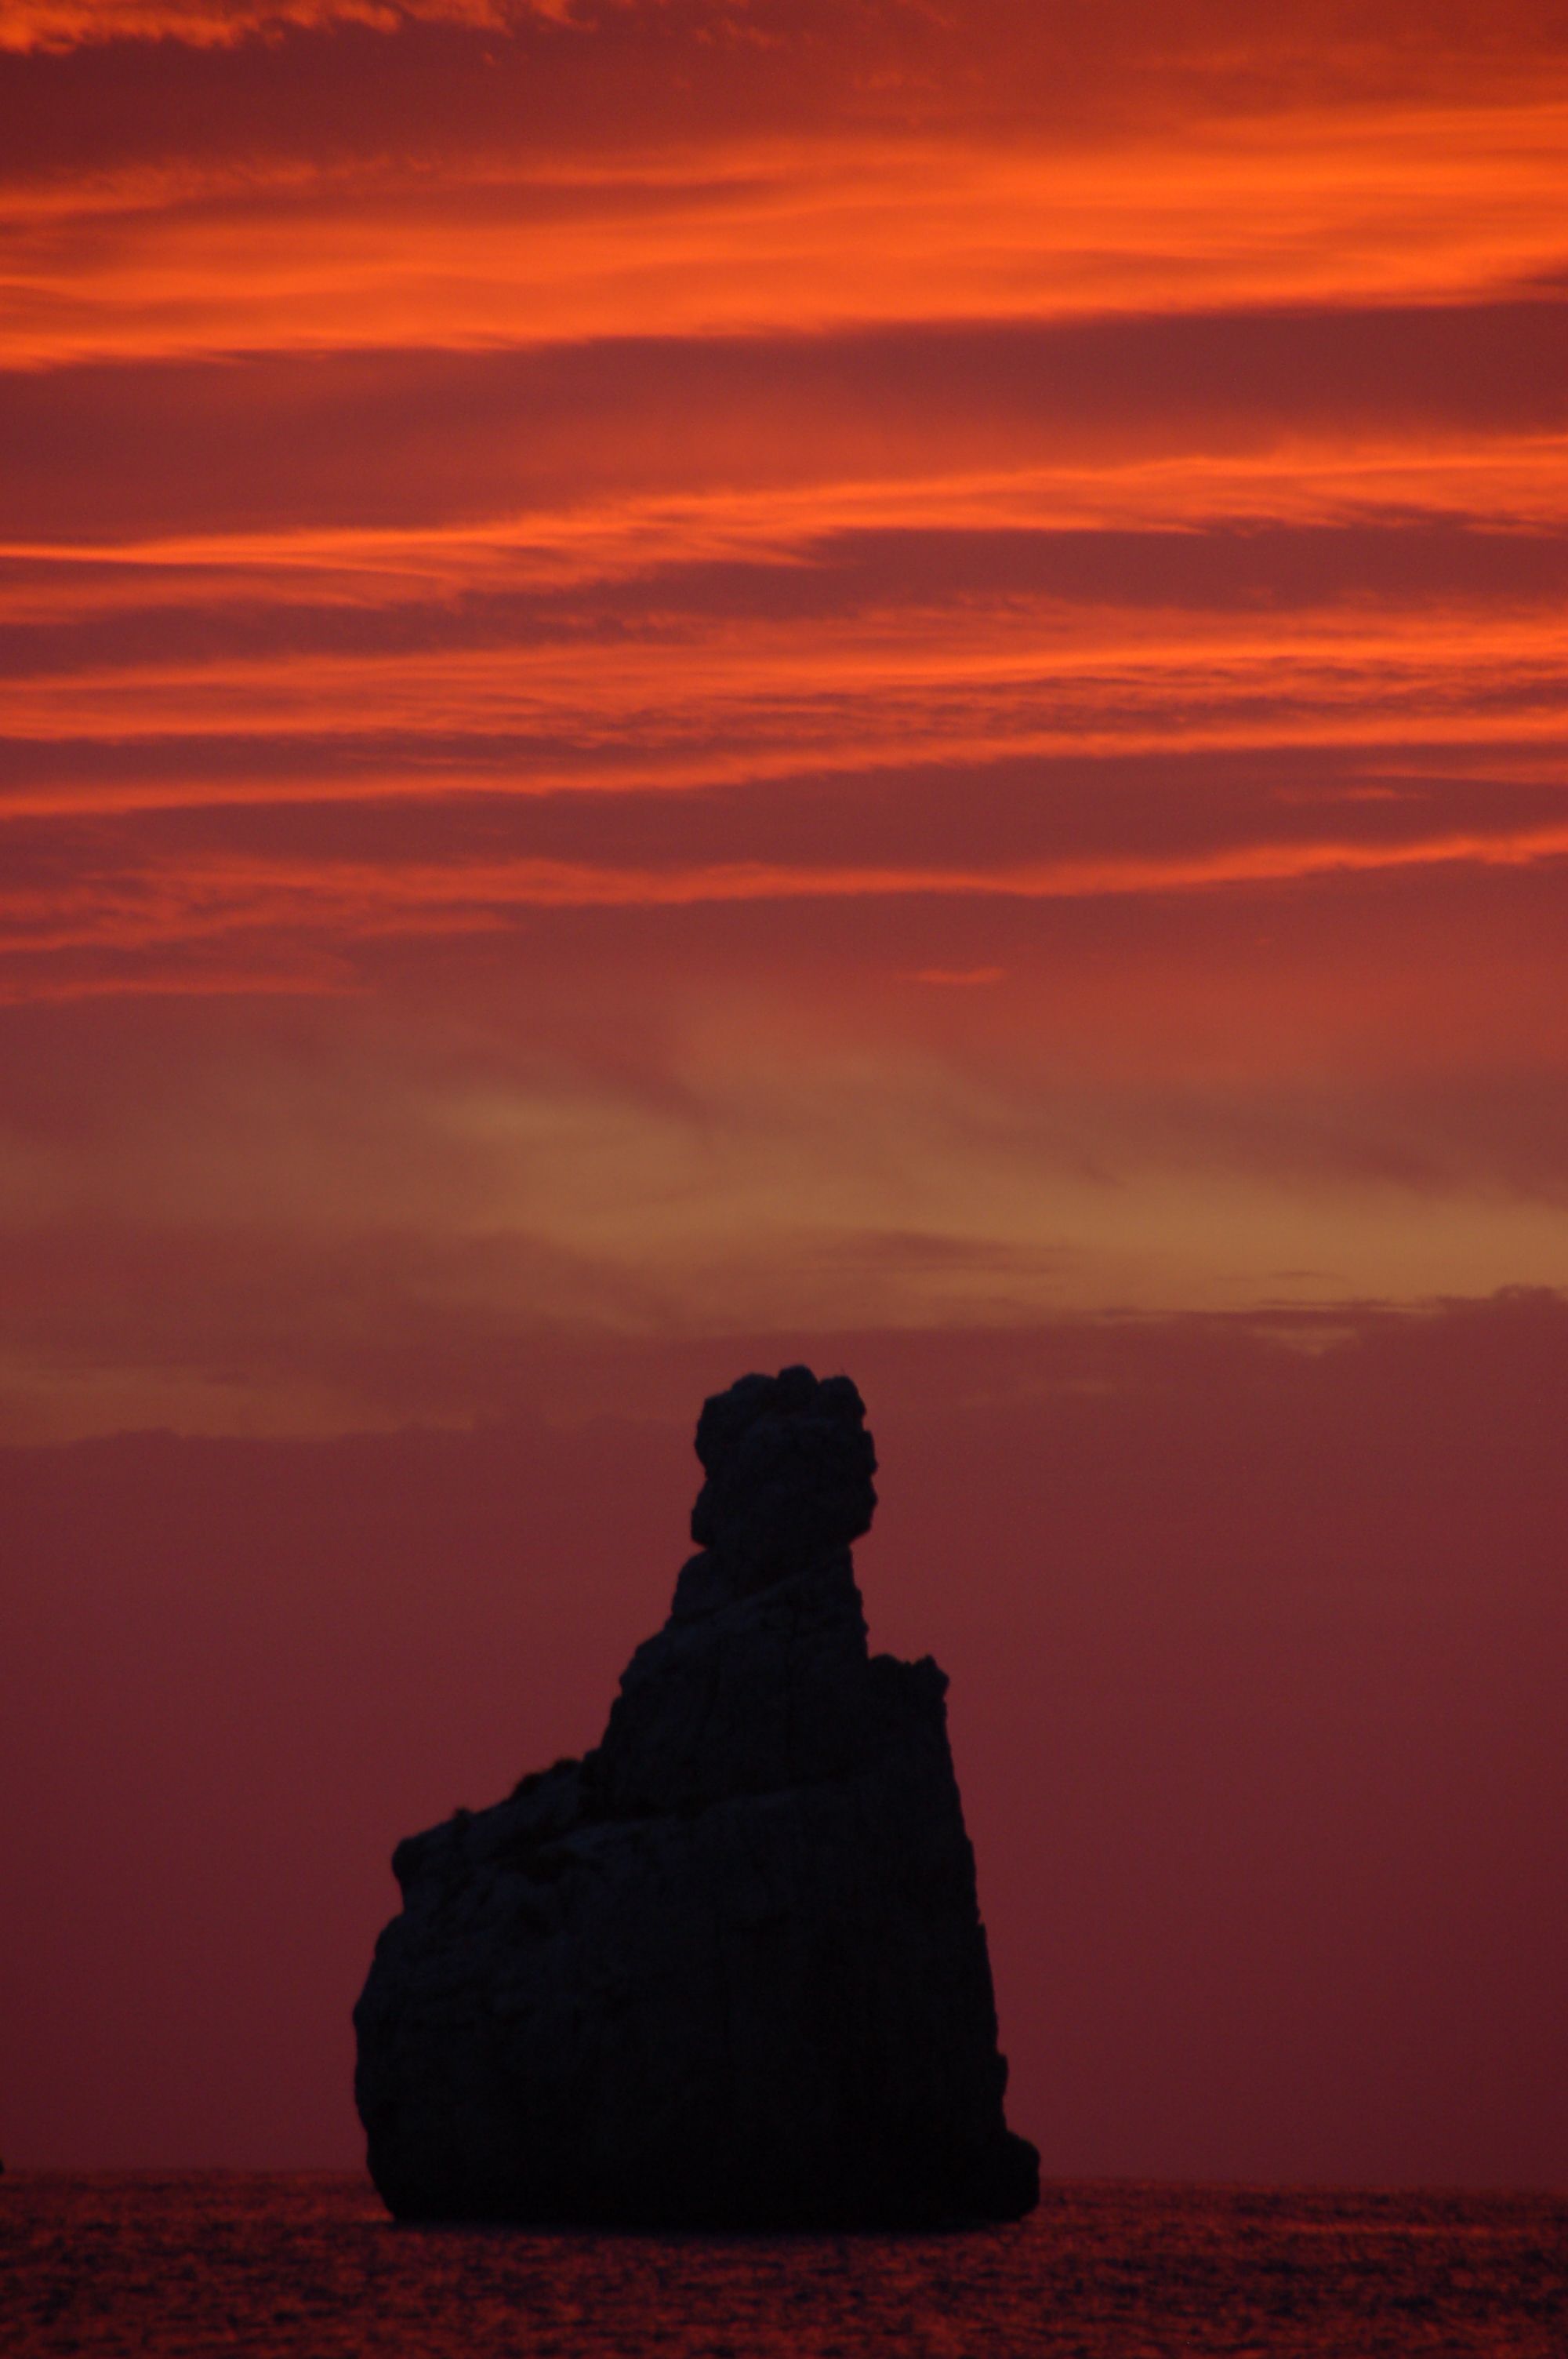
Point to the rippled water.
(273, 2264)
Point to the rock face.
(729, 1970)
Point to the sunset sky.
(691, 682)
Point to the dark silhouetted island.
(729, 1970)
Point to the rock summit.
(727, 1971)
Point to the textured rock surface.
(729, 1970)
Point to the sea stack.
(727, 1971)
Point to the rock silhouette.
(729, 1970)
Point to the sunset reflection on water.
(275, 2265)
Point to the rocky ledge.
(729, 1970)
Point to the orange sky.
(507, 488)
(801, 669)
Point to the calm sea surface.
(273, 2264)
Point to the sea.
(309, 2263)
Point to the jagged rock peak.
(727, 1971)
(789, 1466)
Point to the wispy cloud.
(1299, 207)
(928, 654)
(59, 25)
